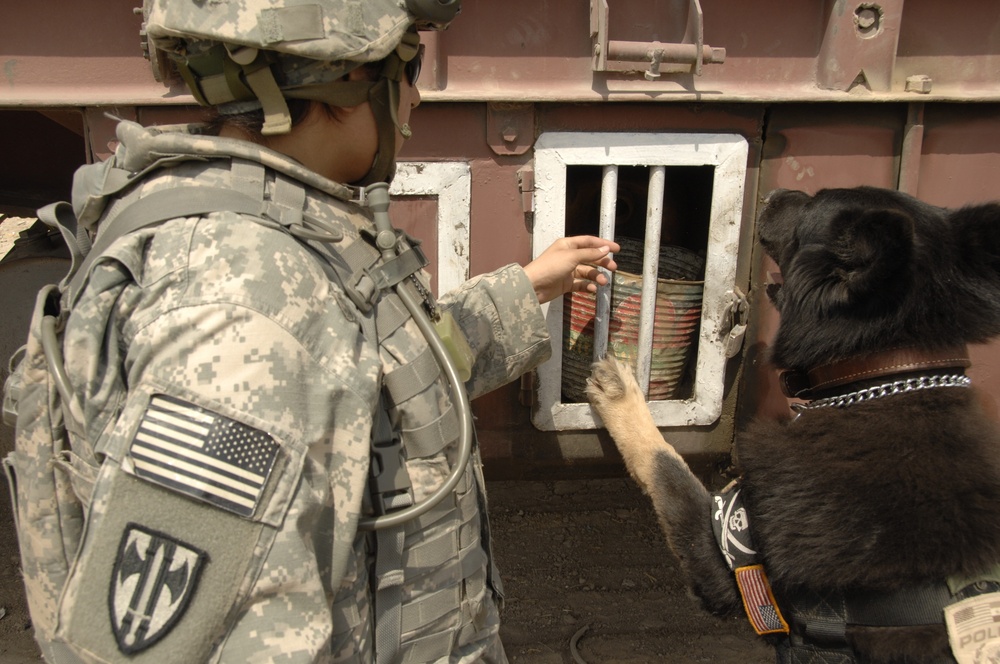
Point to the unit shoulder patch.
(154, 579)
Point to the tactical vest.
(447, 546)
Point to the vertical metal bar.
(696, 22)
(650, 270)
(911, 149)
(609, 202)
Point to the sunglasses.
(412, 67)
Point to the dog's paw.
(606, 382)
(610, 381)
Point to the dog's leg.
(682, 504)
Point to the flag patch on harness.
(202, 454)
(758, 600)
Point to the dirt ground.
(588, 553)
(573, 554)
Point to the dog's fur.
(880, 495)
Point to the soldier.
(270, 446)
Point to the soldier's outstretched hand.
(571, 264)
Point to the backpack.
(49, 482)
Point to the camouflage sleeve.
(503, 322)
(247, 340)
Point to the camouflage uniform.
(248, 551)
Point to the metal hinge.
(738, 312)
(526, 187)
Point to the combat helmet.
(242, 55)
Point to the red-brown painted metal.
(895, 93)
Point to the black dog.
(879, 503)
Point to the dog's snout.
(770, 196)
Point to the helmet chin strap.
(383, 97)
(384, 101)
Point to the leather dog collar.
(799, 385)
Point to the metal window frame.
(451, 182)
(727, 153)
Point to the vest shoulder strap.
(156, 208)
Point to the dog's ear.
(977, 232)
(873, 256)
(976, 290)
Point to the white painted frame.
(727, 153)
(451, 182)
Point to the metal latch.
(738, 312)
(686, 56)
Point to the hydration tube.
(377, 200)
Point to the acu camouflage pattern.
(317, 42)
(327, 30)
(231, 313)
(48, 512)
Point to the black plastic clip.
(388, 482)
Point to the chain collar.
(886, 390)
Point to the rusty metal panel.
(74, 53)
(956, 45)
(509, 71)
(960, 157)
(810, 147)
(959, 165)
(523, 50)
(447, 132)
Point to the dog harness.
(816, 624)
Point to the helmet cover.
(279, 48)
(355, 30)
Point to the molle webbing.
(391, 315)
(410, 379)
(442, 549)
(369, 278)
(432, 438)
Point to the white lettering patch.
(974, 629)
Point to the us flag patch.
(758, 600)
(202, 454)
